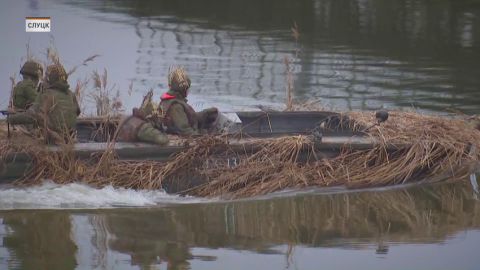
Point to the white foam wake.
(53, 196)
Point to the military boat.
(329, 131)
(329, 134)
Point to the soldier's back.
(63, 110)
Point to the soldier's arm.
(40, 109)
(180, 120)
(38, 104)
(20, 118)
(19, 96)
(149, 133)
(30, 115)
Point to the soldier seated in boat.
(55, 110)
(181, 118)
(143, 125)
(25, 92)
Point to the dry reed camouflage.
(152, 112)
(57, 107)
(474, 122)
(25, 91)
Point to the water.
(355, 54)
(71, 196)
(435, 227)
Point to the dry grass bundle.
(52, 60)
(435, 146)
(100, 170)
(405, 125)
(12, 91)
(105, 168)
(22, 142)
(272, 168)
(102, 96)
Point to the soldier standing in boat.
(55, 109)
(143, 125)
(181, 118)
(25, 92)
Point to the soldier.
(181, 118)
(25, 92)
(55, 110)
(143, 125)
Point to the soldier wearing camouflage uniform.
(55, 110)
(143, 125)
(25, 92)
(181, 118)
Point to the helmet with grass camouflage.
(153, 111)
(178, 81)
(56, 73)
(31, 68)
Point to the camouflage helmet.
(152, 110)
(178, 81)
(56, 73)
(32, 68)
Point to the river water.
(436, 227)
(354, 54)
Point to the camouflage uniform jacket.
(135, 128)
(179, 116)
(128, 128)
(57, 105)
(24, 94)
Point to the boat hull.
(19, 165)
(337, 134)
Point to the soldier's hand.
(40, 88)
(29, 104)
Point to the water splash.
(53, 196)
